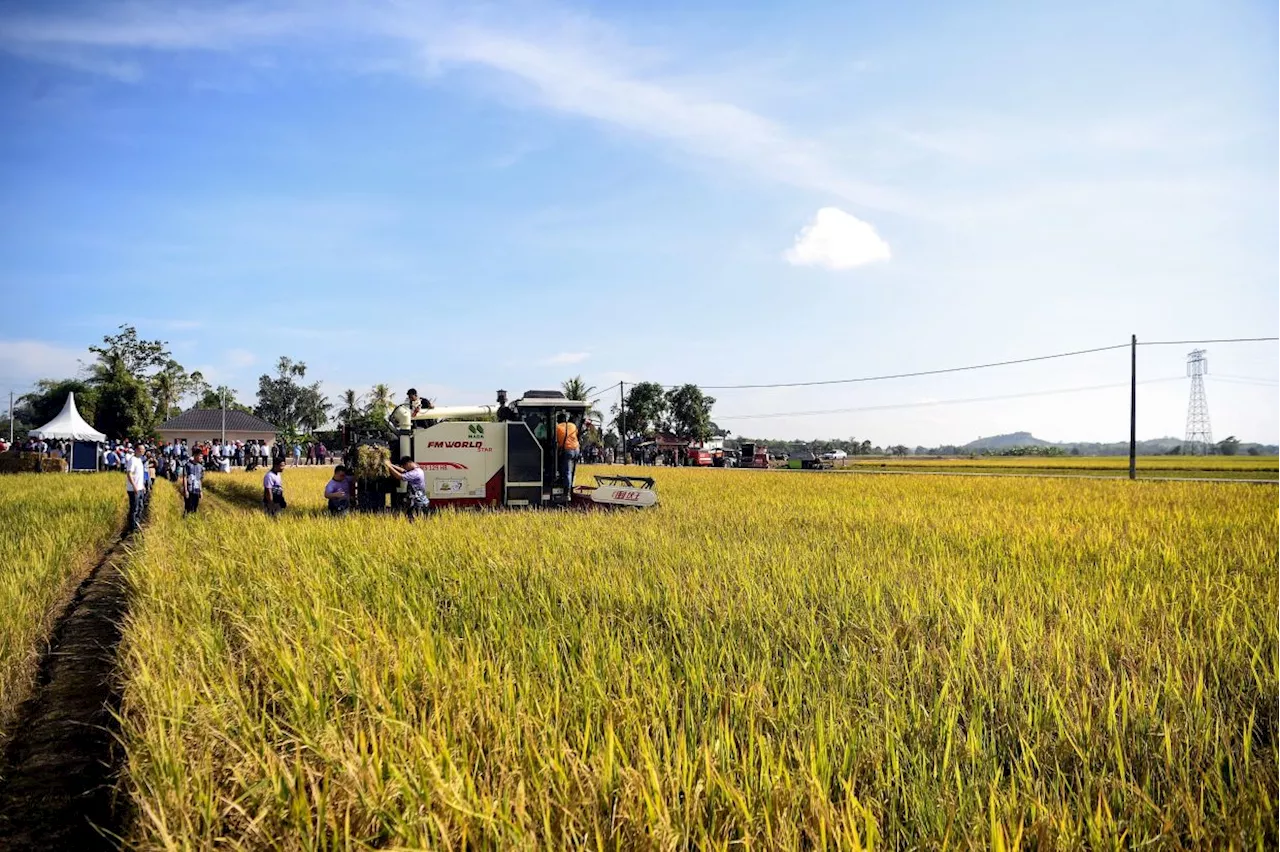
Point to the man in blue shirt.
(191, 485)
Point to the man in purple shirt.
(338, 491)
(411, 475)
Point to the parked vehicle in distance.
(832, 455)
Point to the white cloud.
(574, 75)
(80, 60)
(837, 240)
(569, 64)
(560, 359)
(240, 357)
(24, 361)
(155, 27)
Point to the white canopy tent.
(70, 426)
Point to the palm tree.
(381, 402)
(164, 390)
(350, 407)
(313, 408)
(576, 388)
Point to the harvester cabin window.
(537, 423)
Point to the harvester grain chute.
(471, 460)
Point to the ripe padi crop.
(1151, 467)
(371, 462)
(54, 526)
(778, 660)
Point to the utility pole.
(622, 419)
(1133, 407)
(222, 397)
(11, 418)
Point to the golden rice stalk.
(370, 462)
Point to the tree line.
(649, 408)
(132, 386)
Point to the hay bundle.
(371, 462)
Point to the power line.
(930, 403)
(1246, 381)
(1245, 378)
(946, 370)
(1198, 342)
(913, 374)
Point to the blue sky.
(477, 196)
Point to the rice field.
(1208, 467)
(773, 661)
(54, 526)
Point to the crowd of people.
(53, 449)
(185, 463)
(216, 454)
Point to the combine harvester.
(471, 461)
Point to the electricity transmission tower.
(1199, 438)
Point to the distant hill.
(995, 445)
(1005, 442)
(1151, 447)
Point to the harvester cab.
(469, 459)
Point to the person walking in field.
(273, 489)
(135, 485)
(567, 441)
(191, 485)
(148, 474)
(411, 475)
(338, 491)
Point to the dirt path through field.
(58, 773)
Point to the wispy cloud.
(120, 70)
(572, 77)
(22, 362)
(564, 63)
(561, 359)
(169, 26)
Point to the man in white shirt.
(135, 485)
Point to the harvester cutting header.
(500, 455)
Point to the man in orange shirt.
(567, 441)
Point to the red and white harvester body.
(470, 460)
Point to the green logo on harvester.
(476, 430)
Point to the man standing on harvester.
(567, 441)
(417, 403)
(506, 412)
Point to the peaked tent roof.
(210, 420)
(68, 425)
